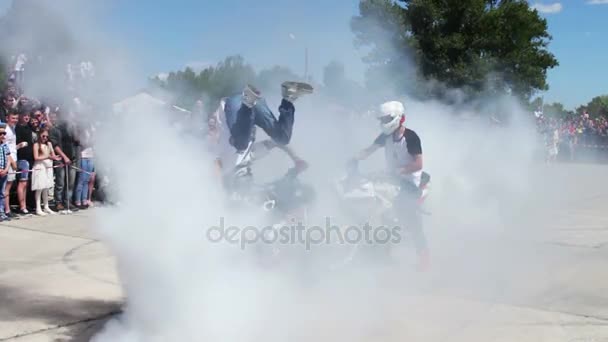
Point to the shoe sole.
(255, 91)
(300, 87)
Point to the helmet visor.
(386, 119)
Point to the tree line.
(429, 49)
(598, 106)
(422, 48)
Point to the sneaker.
(23, 211)
(3, 217)
(251, 95)
(291, 91)
(40, 213)
(59, 207)
(49, 211)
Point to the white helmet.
(391, 116)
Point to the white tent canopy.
(144, 100)
(138, 101)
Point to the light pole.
(293, 37)
(306, 64)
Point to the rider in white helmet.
(403, 153)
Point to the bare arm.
(52, 152)
(36, 153)
(414, 148)
(59, 152)
(217, 163)
(55, 138)
(12, 162)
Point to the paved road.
(56, 280)
(541, 276)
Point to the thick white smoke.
(181, 287)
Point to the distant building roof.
(140, 100)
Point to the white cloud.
(597, 2)
(550, 8)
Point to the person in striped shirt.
(5, 161)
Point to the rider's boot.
(291, 91)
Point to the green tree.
(212, 83)
(271, 79)
(341, 89)
(334, 75)
(230, 76)
(535, 104)
(598, 106)
(384, 30)
(474, 45)
(556, 110)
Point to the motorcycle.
(369, 199)
(283, 203)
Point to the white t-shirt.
(556, 137)
(87, 143)
(11, 141)
(87, 153)
(399, 154)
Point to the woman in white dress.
(42, 172)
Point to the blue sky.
(266, 33)
(168, 35)
(580, 43)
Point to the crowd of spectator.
(576, 132)
(575, 125)
(47, 157)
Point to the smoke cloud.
(181, 287)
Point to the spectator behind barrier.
(5, 161)
(25, 158)
(11, 142)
